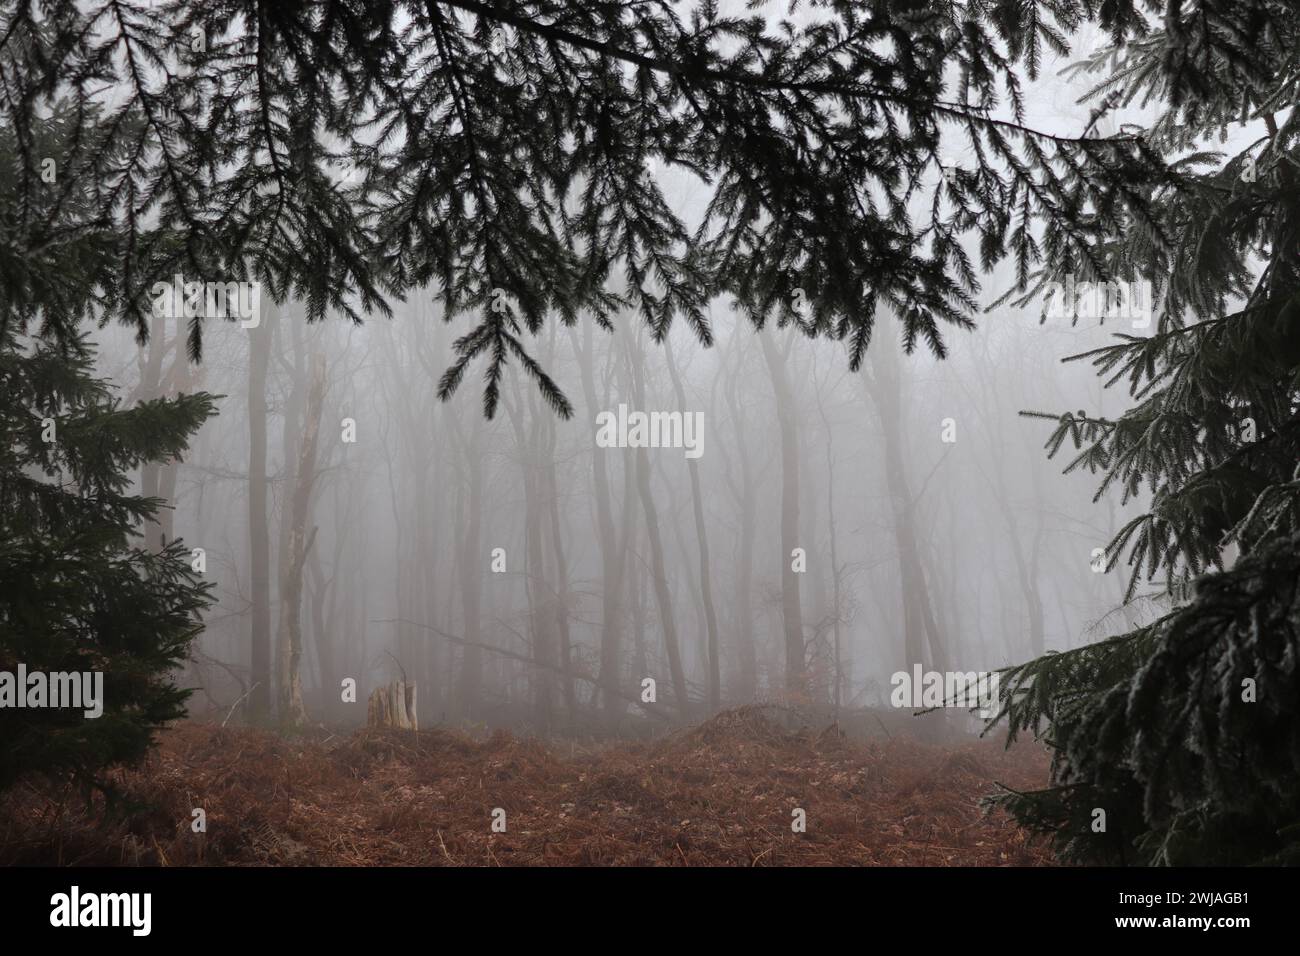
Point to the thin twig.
(238, 702)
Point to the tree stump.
(393, 706)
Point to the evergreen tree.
(499, 150)
(76, 593)
(1186, 732)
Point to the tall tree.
(151, 375)
(650, 511)
(1185, 730)
(838, 601)
(562, 595)
(922, 642)
(292, 711)
(745, 492)
(77, 593)
(541, 611)
(469, 539)
(702, 542)
(613, 546)
(259, 533)
(796, 682)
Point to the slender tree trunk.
(150, 388)
(293, 712)
(561, 600)
(636, 598)
(177, 380)
(471, 572)
(540, 613)
(612, 551)
(702, 540)
(663, 595)
(747, 500)
(1026, 577)
(539, 601)
(630, 583)
(259, 539)
(836, 572)
(919, 627)
(796, 676)
(317, 589)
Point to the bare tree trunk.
(561, 601)
(293, 712)
(702, 540)
(539, 600)
(259, 541)
(746, 494)
(630, 583)
(836, 571)
(317, 589)
(636, 600)
(663, 595)
(919, 626)
(540, 614)
(1026, 565)
(150, 387)
(1026, 576)
(158, 478)
(333, 622)
(612, 551)
(179, 378)
(796, 676)
(470, 685)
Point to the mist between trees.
(835, 528)
(839, 527)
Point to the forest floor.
(721, 793)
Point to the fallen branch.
(532, 661)
(238, 702)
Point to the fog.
(527, 571)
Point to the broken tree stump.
(393, 706)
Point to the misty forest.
(649, 432)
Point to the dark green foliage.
(1154, 728)
(1151, 726)
(76, 593)
(498, 154)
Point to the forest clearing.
(720, 794)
